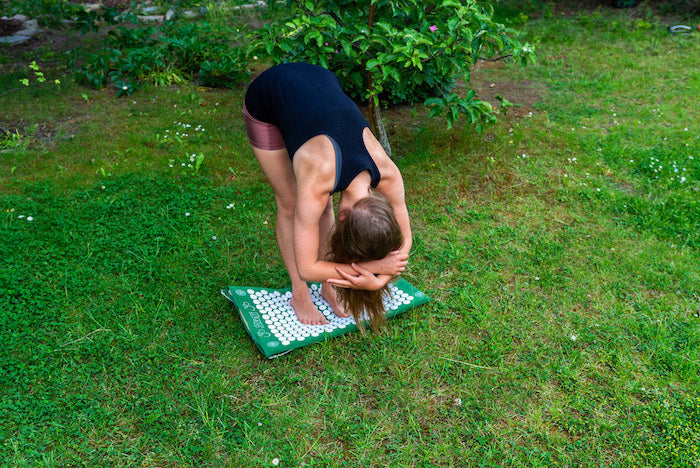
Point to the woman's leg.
(278, 169)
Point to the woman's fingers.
(364, 279)
(348, 276)
(349, 281)
(360, 269)
(339, 283)
(400, 264)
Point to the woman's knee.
(286, 205)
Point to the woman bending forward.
(312, 141)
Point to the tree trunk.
(375, 118)
(378, 126)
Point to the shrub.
(399, 51)
(163, 56)
(226, 72)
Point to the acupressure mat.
(275, 329)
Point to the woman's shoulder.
(384, 163)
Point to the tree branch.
(368, 74)
(36, 87)
(9, 91)
(325, 13)
(375, 119)
(495, 59)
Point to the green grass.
(560, 249)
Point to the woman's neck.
(358, 189)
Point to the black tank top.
(304, 101)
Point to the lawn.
(560, 248)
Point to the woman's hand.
(364, 279)
(393, 264)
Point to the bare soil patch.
(57, 40)
(666, 9)
(9, 26)
(522, 94)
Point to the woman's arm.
(306, 242)
(391, 186)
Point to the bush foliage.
(163, 55)
(399, 51)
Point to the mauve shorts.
(262, 135)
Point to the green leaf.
(471, 116)
(346, 46)
(454, 111)
(395, 74)
(435, 111)
(198, 162)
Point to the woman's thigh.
(277, 167)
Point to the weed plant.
(162, 56)
(560, 249)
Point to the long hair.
(369, 232)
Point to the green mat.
(275, 329)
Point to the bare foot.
(329, 294)
(307, 312)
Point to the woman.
(312, 141)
